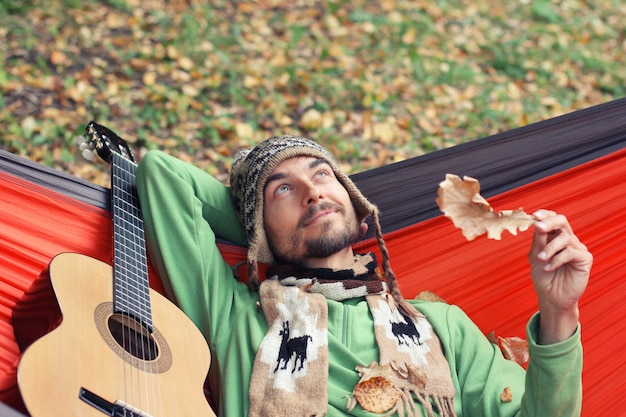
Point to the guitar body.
(82, 369)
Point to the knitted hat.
(250, 172)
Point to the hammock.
(574, 164)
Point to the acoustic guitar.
(121, 348)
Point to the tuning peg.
(87, 154)
(82, 143)
(85, 149)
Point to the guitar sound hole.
(133, 337)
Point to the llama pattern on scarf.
(293, 356)
(410, 336)
(406, 331)
(292, 341)
(292, 348)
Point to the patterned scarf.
(291, 366)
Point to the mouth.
(319, 216)
(318, 213)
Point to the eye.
(323, 173)
(281, 189)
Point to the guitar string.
(143, 282)
(129, 373)
(136, 267)
(138, 344)
(118, 276)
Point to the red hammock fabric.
(488, 279)
(574, 164)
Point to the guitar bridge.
(117, 409)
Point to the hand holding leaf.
(460, 200)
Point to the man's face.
(307, 213)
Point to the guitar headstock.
(104, 142)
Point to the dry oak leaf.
(514, 348)
(387, 388)
(507, 395)
(376, 394)
(460, 200)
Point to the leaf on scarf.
(376, 394)
(378, 390)
(460, 200)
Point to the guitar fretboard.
(130, 282)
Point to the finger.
(557, 260)
(575, 257)
(553, 234)
(543, 214)
(555, 242)
(542, 228)
(560, 249)
(540, 240)
(553, 223)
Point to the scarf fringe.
(406, 407)
(444, 405)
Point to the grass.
(374, 81)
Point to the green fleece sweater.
(184, 211)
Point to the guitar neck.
(131, 289)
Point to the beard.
(333, 237)
(331, 242)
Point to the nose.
(312, 194)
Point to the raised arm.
(184, 210)
(560, 267)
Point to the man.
(326, 319)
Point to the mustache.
(314, 210)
